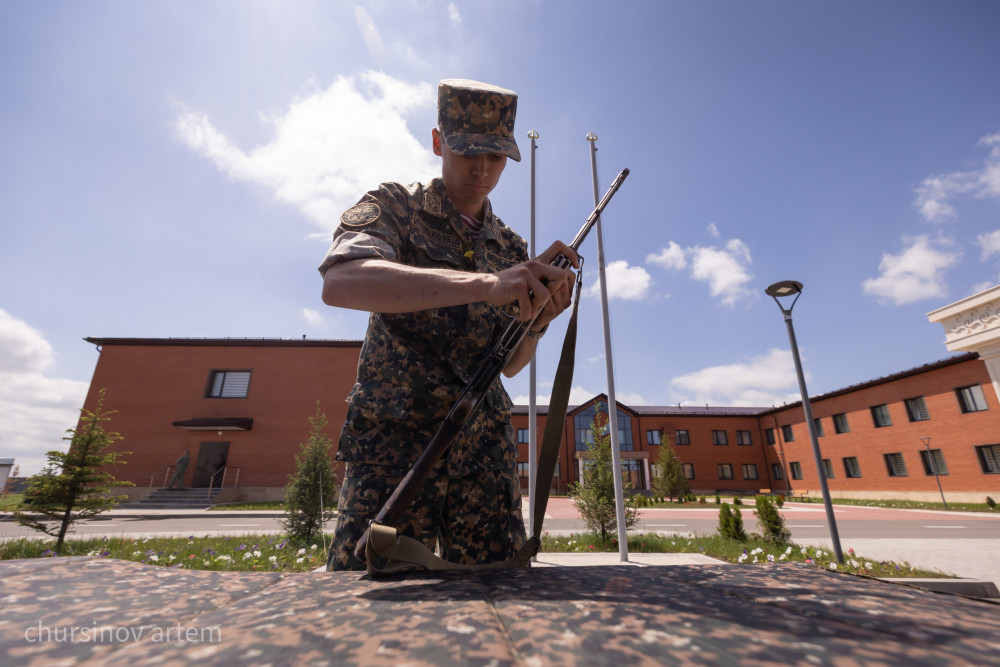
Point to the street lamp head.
(784, 288)
(927, 441)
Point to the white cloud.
(453, 15)
(935, 193)
(990, 243)
(671, 257)
(916, 273)
(624, 282)
(713, 230)
(312, 317)
(369, 33)
(579, 395)
(726, 269)
(328, 147)
(768, 379)
(36, 409)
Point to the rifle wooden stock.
(472, 396)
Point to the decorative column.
(973, 325)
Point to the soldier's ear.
(436, 141)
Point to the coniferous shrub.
(992, 503)
(731, 523)
(737, 501)
(311, 493)
(771, 521)
(74, 484)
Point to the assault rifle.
(472, 396)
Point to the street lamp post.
(932, 464)
(783, 289)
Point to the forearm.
(381, 286)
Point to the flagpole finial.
(532, 134)
(591, 136)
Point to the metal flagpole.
(612, 402)
(532, 407)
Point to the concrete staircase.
(165, 499)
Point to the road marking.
(944, 526)
(239, 525)
(806, 525)
(667, 525)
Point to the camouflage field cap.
(476, 117)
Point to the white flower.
(833, 566)
(154, 558)
(783, 557)
(313, 547)
(770, 558)
(300, 559)
(868, 565)
(256, 554)
(273, 559)
(301, 551)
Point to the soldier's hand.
(533, 284)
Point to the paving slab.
(704, 614)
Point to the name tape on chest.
(360, 215)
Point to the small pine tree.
(312, 489)
(992, 503)
(595, 498)
(72, 486)
(731, 523)
(668, 473)
(771, 521)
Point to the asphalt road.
(805, 520)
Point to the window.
(971, 399)
(750, 471)
(880, 415)
(653, 438)
(776, 471)
(522, 468)
(827, 469)
(796, 469)
(583, 420)
(769, 436)
(851, 467)
(683, 437)
(989, 458)
(786, 433)
(743, 438)
(819, 427)
(933, 462)
(719, 438)
(228, 384)
(895, 465)
(840, 423)
(916, 409)
(523, 435)
(725, 471)
(688, 470)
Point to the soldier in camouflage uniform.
(438, 271)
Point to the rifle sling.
(388, 552)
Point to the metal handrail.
(222, 484)
(165, 474)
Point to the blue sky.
(174, 169)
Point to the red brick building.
(242, 408)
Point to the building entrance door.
(212, 457)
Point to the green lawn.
(268, 553)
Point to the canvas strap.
(388, 552)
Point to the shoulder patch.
(361, 215)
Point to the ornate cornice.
(972, 323)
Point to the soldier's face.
(469, 179)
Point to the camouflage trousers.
(474, 519)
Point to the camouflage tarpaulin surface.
(135, 614)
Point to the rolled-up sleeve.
(349, 246)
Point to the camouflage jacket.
(413, 366)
